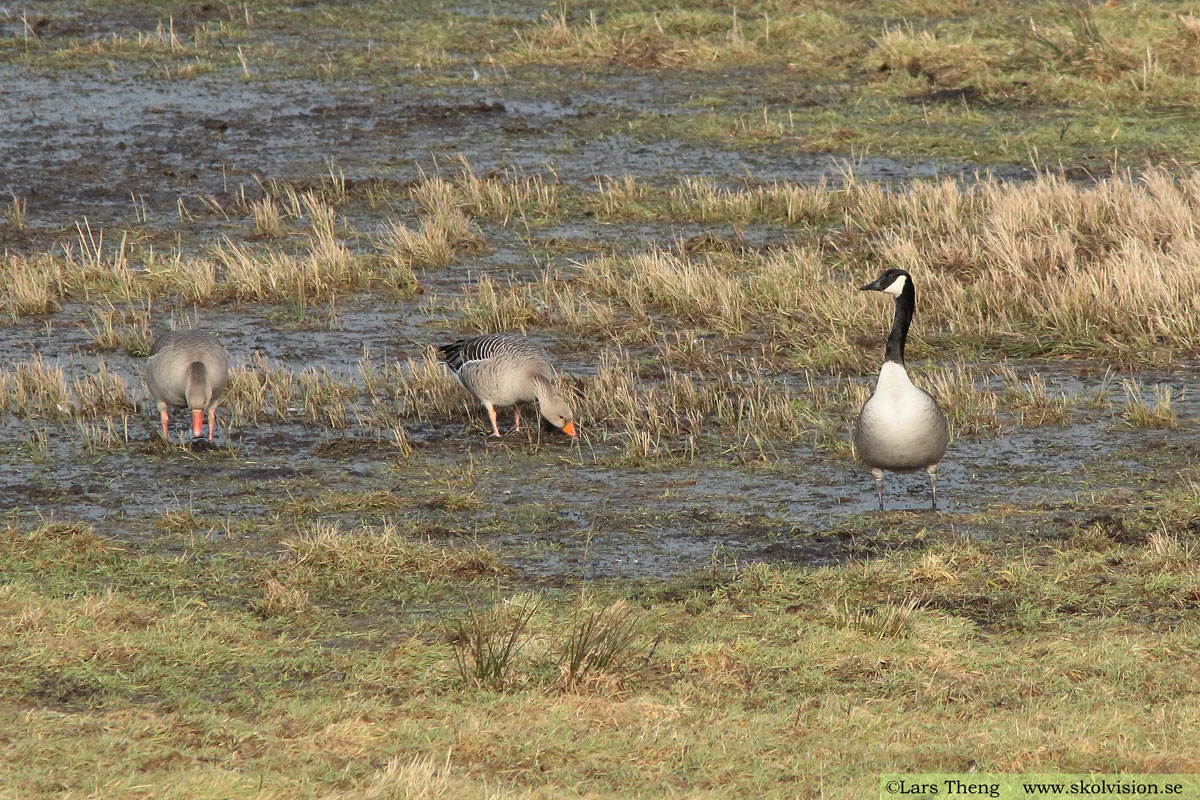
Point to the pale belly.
(901, 434)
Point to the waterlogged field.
(357, 593)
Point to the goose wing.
(517, 350)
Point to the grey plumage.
(503, 369)
(900, 428)
(189, 369)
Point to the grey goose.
(900, 428)
(504, 369)
(188, 368)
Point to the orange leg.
(165, 417)
(495, 427)
(212, 423)
(516, 418)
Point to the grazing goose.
(188, 368)
(901, 428)
(503, 369)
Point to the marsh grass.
(259, 389)
(1036, 403)
(486, 642)
(1139, 414)
(637, 39)
(379, 553)
(36, 388)
(16, 212)
(267, 218)
(1098, 268)
(1101, 266)
(441, 237)
(964, 392)
(30, 286)
(126, 329)
(105, 434)
(929, 636)
(505, 197)
(599, 641)
(1095, 54)
(889, 621)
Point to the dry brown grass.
(791, 203)
(1064, 268)
(30, 285)
(551, 301)
(121, 329)
(259, 390)
(384, 551)
(505, 197)
(279, 599)
(35, 388)
(270, 274)
(666, 39)
(1038, 268)
(1139, 413)
(666, 416)
(98, 403)
(267, 217)
(436, 243)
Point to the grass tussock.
(485, 643)
(30, 286)
(888, 621)
(506, 196)
(599, 641)
(125, 329)
(436, 243)
(592, 649)
(260, 390)
(1141, 414)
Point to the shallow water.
(550, 510)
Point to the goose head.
(891, 282)
(555, 411)
(199, 394)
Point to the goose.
(900, 428)
(503, 369)
(188, 368)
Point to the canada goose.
(188, 368)
(503, 369)
(900, 428)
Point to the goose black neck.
(906, 303)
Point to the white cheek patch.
(896, 286)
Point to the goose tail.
(452, 354)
